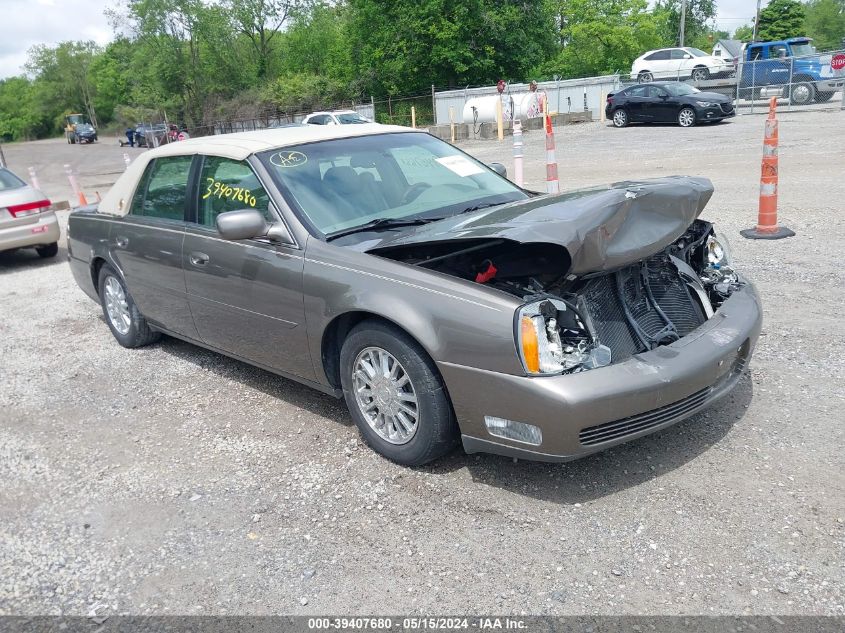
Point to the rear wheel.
(620, 118)
(48, 250)
(396, 395)
(645, 77)
(122, 315)
(700, 74)
(686, 117)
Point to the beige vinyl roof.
(235, 146)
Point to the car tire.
(645, 77)
(48, 250)
(620, 118)
(700, 74)
(802, 93)
(686, 117)
(430, 430)
(127, 324)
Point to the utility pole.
(684, 19)
(756, 22)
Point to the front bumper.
(586, 412)
(831, 85)
(713, 113)
(42, 230)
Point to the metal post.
(791, 77)
(753, 83)
(413, 117)
(756, 22)
(452, 122)
(434, 105)
(517, 153)
(500, 131)
(2, 156)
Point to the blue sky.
(31, 22)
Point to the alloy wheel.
(116, 306)
(620, 118)
(699, 74)
(686, 117)
(801, 94)
(645, 78)
(385, 395)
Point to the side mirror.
(687, 56)
(499, 169)
(245, 224)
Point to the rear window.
(9, 181)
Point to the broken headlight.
(552, 339)
(718, 252)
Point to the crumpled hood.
(601, 228)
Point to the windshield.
(350, 117)
(345, 183)
(697, 52)
(804, 48)
(680, 89)
(9, 181)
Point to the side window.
(163, 189)
(654, 92)
(756, 53)
(777, 51)
(229, 185)
(679, 53)
(636, 91)
(658, 56)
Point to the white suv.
(335, 117)
(678, 63)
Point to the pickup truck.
(787, 68)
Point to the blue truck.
(787, 68)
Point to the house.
(728, 49)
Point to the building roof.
(236, 146)
(734, 47)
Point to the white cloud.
(28, 23)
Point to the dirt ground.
(172, 480)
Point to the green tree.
(744, 33)
(603, 36)
(825, 23)
(111, 75)
(20, 118)
(698, 13)
(260, 21)
(405, 46)
(64, 76)
(781, 19)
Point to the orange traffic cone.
(767, 217)
(552, 182)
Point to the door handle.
(198, 259)
(121, 242)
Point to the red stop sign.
(838, 61)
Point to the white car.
(679, 63)
(27, 219)
(335, 117)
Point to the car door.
(680, 64)
(664, 106)
(246, 295)
(658, 63)
(146, 244)
(636, 103)
(778, 65)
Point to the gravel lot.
(172, 480)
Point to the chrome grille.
(643, 421)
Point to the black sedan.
(667, 102)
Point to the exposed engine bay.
(572, 323)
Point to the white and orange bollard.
(518, 177)
(767, 216)
(33, 178)
(75, 186)
(552, 182)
